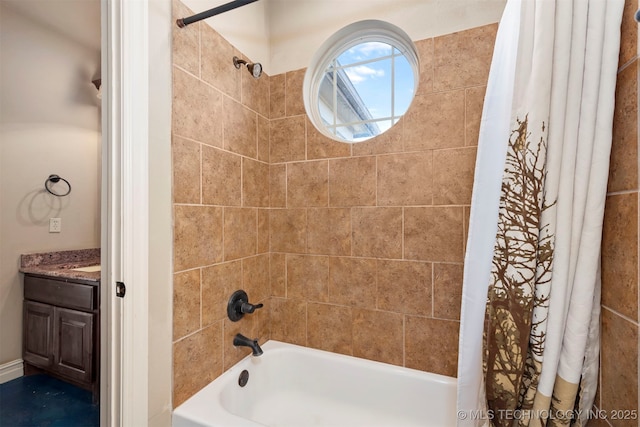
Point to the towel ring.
(54, 179)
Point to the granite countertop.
(61, 264)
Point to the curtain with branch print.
(520, 275)
(540, 338)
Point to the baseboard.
(11, 370)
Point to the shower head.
(254, 68)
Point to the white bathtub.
(293, 386)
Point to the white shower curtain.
(530, 305)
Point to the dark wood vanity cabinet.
(61, 329)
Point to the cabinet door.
(73, 342)
(37, 332)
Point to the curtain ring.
(54, 179)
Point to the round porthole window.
(361, 81)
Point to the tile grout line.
(402, 254)
(404, 339)
(622, 316)
(433, 289)
(201, 172)
(201, 299)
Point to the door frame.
(136, 213)
(124, 213)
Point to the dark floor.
(43, 401)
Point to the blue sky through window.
(372, 76)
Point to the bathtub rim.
(195, 411)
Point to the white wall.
(299, 27)
(160, 214)
(284, 34)
(49, 123)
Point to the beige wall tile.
(387, 142)
(255, 92)
(447, 290)
(435, 120)
(378, 335)
(623, 164)
(629, 33)
(426, 56)
(197, 360)
(278, 275)
(463, 58)
(328, 300)
(619, 365)
(433, 234)
(289, 321)
(277, 96)
(598, 422)
(185, 41)
(240, 232)
(294, 102)
(329, 328)
(186, 303)
(263, 139)
(620, 254)
(308, 277)
(262, 320)
(288, 230)
(255, 183)
(197, 238)
(377, 232)
(197, 108)
(278, 186)
(322, 147)
(352, 281)
(431, 345)
(474, 101)
(287, 140)
(453, 176)
(240, 129)
(352, 182)
(255, 278)
(217, 62)
(405, 179)
(186, 171)
(221, 177)
(307, 184)
(218, 283)
(263, 231)
(404, 287)
(329, 231)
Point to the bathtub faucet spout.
(241, 341)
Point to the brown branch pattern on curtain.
(523, 258)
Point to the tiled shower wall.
(618, 388)
(221, 204)
(367, 240)
(356, 249)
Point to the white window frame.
(344, 39)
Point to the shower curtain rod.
(183, 22)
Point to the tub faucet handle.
(239, 305)
(248, 308)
